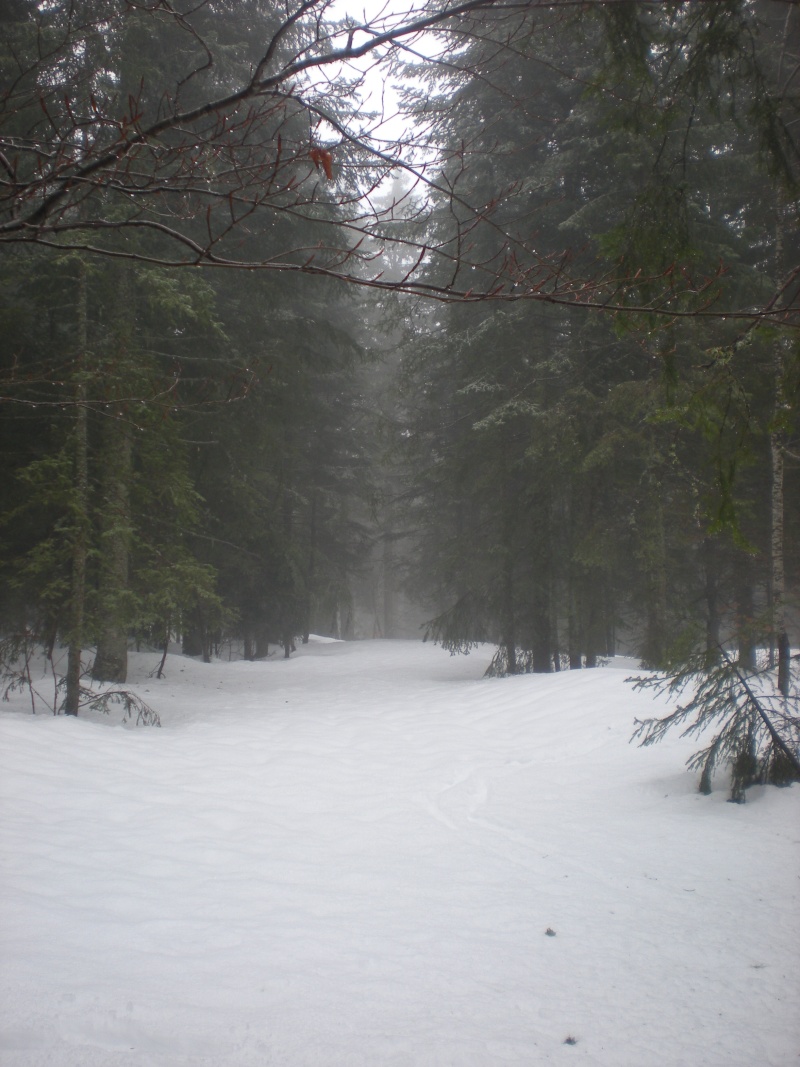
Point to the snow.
(352, 859)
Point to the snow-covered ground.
(370, 856)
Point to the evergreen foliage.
(756, 728)
(585, 485)
(212, 457)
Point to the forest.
(474, 321)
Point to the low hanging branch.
(183, 162)
(757, 729)
(18, 651)
(778, 741)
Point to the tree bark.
(655, 563)
(508, 631)
(713, 622)
(116, 458)
(777, 443)
(111, 660)
(387, 569)
(745, 610)
(310, 570)
(541, 605)
(778, 580)
(80, 544)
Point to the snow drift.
(370, 856)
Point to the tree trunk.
(778, 581)
(262, 641)
(508, 631)
(508, 636)
(573, 619)
(111, 660)
(288, 646)
(542, 632)
(164, 654)
(310, 570)
(655, 565)
(713, 621)
(777, 442)
(609, 617)
(592, 618)
(541, 607)
(745, 610)
(80, 544)
(387, 567)
(196, 639)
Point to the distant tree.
(601, 203)
(640, 446)
(283, 474)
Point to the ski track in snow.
(350, 859)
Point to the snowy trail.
(350, 859)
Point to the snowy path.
(350, 860)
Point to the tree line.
(583, 288)
(589, 482)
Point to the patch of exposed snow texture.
(353, 858)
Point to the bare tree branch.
(81, 155)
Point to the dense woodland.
(514, 360)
